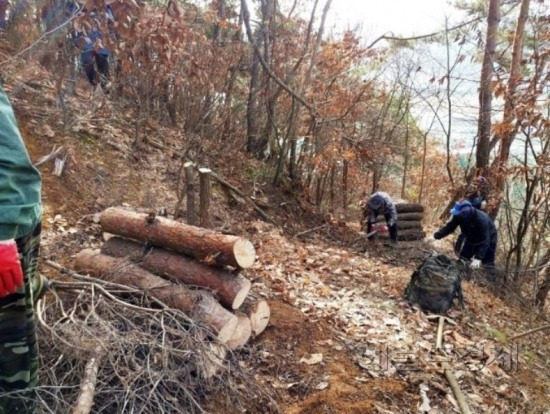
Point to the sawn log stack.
(409, 222)
(183, 266)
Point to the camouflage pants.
(18, 348)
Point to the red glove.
(11, 274)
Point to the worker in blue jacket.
(480, 235)
(476, 194)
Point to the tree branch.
(246, 18)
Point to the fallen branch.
(439, 338)
(303, 233)
(521, 335)
(154, 359)
(52, 155)
(460, 398)
(85, 400)
(455, 387)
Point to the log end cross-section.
(244, 252)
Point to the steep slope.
(341, 339)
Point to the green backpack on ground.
(435, 283)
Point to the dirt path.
(342, 339)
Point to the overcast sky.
(402, 17)
(406, 18)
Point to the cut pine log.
(259, 314)
(231, 290)
(242, 333)
(410, 216)
(405, 225)
(407, 235)
(409, 208)
(199, 306)
(203, 244)
(404, 217)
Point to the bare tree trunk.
(542, 293)
(252, 113)
(252, 106)
(218, 38)
(204, 197)
(406, 161)
(485, 93)
(448, 132)
(345, 186)
(293, 143)
(376, 175)
(424, 150)
(190, 191)
(509, 132)
(332, 186)
(232, 73)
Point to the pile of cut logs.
(183, 266)
(409, 221)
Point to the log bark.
(242, 333)
(199, 306)
(231, 290)
(408, 225)
(203, 244)
(204, 197)
(407, 235)
(404, 217)
(410, 217)
(403, 225)
(531, 331)
(190, 191)
(409, 208)
(259, 314)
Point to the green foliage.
(496, 334)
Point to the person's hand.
(475, 264)
(429, 239)
(11, 273)
(483, 205)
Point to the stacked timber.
(409, 221)
(188, 268)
